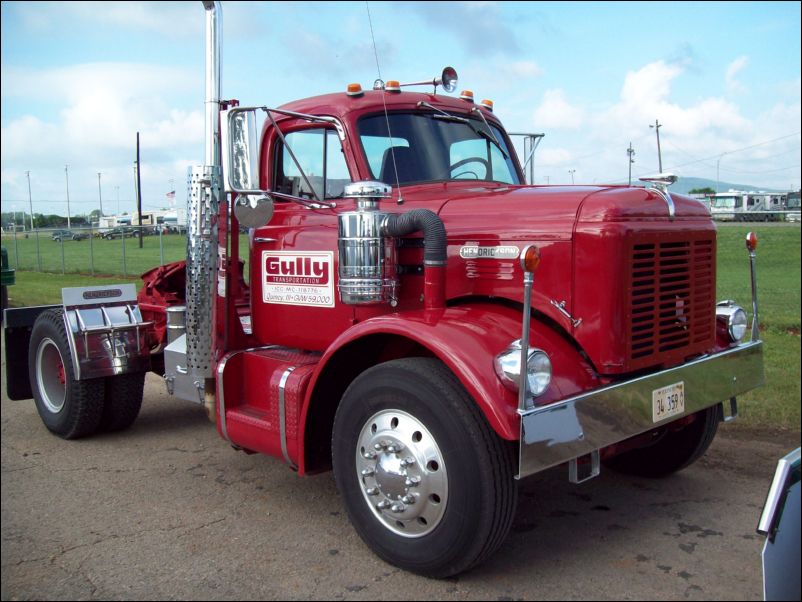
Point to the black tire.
(671, 450)
(69, 408)
(122, 401)
(3, 302)
(462, 507)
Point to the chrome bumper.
(589, 422)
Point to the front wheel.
(426, 482)
(671, 450)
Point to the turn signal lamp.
(530, 258)
(466, 95)
(487, 104)
(392, 86)
(354, 90)
(751, 242)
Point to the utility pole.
(631, 153)
(118, 199)
(67, 175)
(99, 195)
(138, 190)
(30, 202)
(657, 125)
(571, 171)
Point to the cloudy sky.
(79, 79)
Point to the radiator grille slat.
(671, 299)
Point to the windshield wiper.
(487, 135)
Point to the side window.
(320, 154)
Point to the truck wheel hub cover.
(402, 473)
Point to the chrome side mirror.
(240, 150)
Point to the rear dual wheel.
(426, 482)
(73, 408)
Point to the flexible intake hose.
(434, 233)
(434, 254)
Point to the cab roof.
(340, 105)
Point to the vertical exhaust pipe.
(205, 193)
(214, 49)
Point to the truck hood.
(521, 212)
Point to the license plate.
(668, 401)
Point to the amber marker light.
(487, 104)
(354, 90)
(392, 86)
(466, 95)
(751, 242)
(530, 258)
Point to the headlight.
(733, 318)
(538, 369)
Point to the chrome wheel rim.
(402, 473)
(50, 375)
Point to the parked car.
(780, 524)
(119, 232)
(60, 235)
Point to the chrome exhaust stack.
(204, 195)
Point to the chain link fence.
(123, 250)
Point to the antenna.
(400, 200)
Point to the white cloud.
(733, 69)
(557, 113)
(97, 110)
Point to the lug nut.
(412, 481)
(368, 472)
(369, 455)
(382, 505)
(408, 499)
(372, 491)
(397, 508)
(408, 461)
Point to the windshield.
(793, 201)
(432, 147)
(725, 202)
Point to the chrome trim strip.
(282, 385)
(559, 432)
(221, 395)
(779, 484)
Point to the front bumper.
(589, 422)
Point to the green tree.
(705, 190)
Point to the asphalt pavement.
(167, 510)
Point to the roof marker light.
(487, 104)
(392, 86)
(354, 90)
(466, 95)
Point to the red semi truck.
(414, 317)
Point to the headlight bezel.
(539, 369)
(734, 318)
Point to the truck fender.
(466, 338)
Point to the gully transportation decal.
(298, 278)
